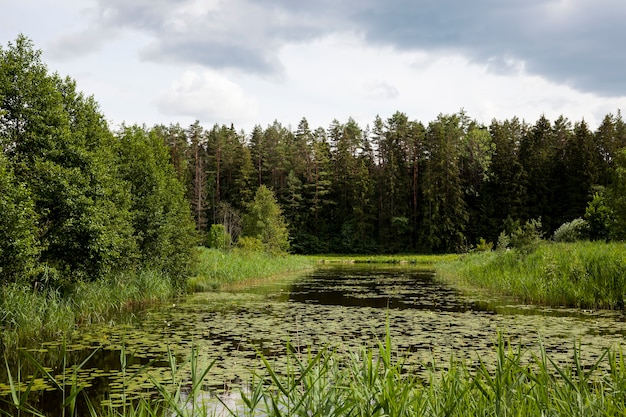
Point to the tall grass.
(373, 382)
(427, 261)
(582, 274)
(216, 267)
(30, 316)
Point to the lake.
(344, 307)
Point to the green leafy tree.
(60, 148)
(599, 217)
(19, 245)
(264, 220)
(617, 198)
(162, 221)
(537, 155)
(218, 238)
(503, 195)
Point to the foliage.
(59, 148)
(371, 381)
(79, 203)
(250, 244)
(504, 240)
(401, 185)
(572, 231)
(599, 218)
(218, 238)
(264, 220)
(404, 186)
(483, 245)
(617, 197)
(582, 274)
(523, 237)
(161, 218)
(216, 267)
(19, 248)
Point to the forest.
(401, 185)
(80, 200)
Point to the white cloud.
(380, 90)
(209, 97)
(337, 77)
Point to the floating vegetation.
(345, 308)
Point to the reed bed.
(427, 261)
(32, 316)
(583, 274)
(373, 382)
(216, 267)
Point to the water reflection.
(386, 288)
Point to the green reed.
(30, 316)
(216, 267)
(514, 381)
(582, 274)
(426, 261)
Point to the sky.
(251, 62)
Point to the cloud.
(208, 96)
(380, 90)
(572, 42)
(80, 43)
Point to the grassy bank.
(427, 261)
(216, 268)
(373, 382)
(582, 274)
(30, 316)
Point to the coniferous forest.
(402, 185)
(80, 199)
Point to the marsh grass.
(31, 316)
(425, 261)
(582, 274)
(216, 267)
(373, 382)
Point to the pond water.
(345, 307)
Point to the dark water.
(387, 288)
(345, 307)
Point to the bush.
(524, 238)
(599, 217)
(218, 237)
(483, 245)
(250, 244)
(504, 241)
(573, 231)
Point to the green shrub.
(527, 236)
(599, 217)
(573, 231)
(218, 237)
(250, 244)
(483, 245)
(504, 241)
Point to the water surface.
(344, 307)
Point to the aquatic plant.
(581, 274)
(30, 315)
(216, 267)
(374, 382)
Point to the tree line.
(402, 185)
(80, 201)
